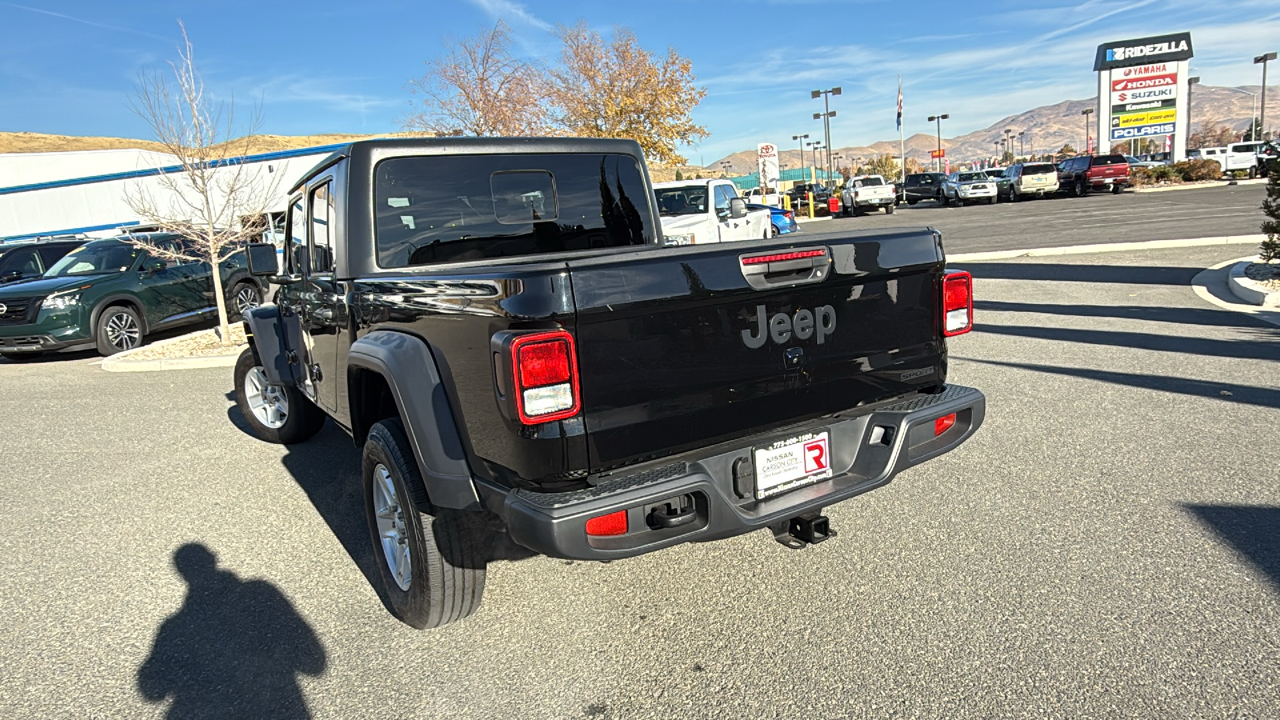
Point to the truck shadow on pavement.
(1248, 349)
(1226, 392)
(1122, 274)
(327, 468)
(234, 648)
(1151, 313)
(1253, 531)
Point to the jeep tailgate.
(684, 347)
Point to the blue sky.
(342, 66)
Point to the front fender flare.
(263, 326)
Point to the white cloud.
(512, 13)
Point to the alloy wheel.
(246, 299)
(123, 332)
(267, 402)
(392, 529)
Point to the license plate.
(1107, 181)
(792, 463)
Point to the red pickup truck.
(1079, 175)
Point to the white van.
(1243, 156)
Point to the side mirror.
(262, 259)
(737, 208)
(11, 275)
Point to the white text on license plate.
(792, 463)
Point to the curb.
(122, 362)
(1107, 247)
(813, 219)
(1200, 185)
(1248, 290)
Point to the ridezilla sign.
(1140, 92)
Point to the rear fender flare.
(407, 365)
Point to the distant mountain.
(1047, 128)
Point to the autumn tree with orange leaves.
(605, 88)
(614, 88)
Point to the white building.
(65, 193)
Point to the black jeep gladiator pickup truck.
(500, 327)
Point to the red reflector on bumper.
(611, 524)
(943, 424)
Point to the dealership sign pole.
(767, 165)
(1139, 95)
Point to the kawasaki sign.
(1161, 48)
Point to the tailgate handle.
(789, 267)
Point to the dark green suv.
(112, 294)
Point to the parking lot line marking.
(1106, 247)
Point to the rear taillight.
(545, 373)
(957, 303)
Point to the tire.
(912, 202)
(118, 329)
(255, 398)
(1115, 189)
(888, 209)
(244, 297)
(1013, 194)
(775, 232)
(1078, 189)
(440, 555)
(1253, 172)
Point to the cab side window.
(296, 242)
(321, 230)
(722, 199)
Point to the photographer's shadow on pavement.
(233, 649)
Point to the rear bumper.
(867, 451)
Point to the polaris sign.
(1161, 48)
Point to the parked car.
(581, 391)
(26, 260)
(1243, 156)
(1079, 175)
(995, 173)
(782, 221)
(1023, 180)
(758, 196)
(1135, 162)
(867, 192)
(799, 195)
(698, 212)
(899, 192)
(924, 186)
(968, 186)
(111, 294)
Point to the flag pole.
(902, 148)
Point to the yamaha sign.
(1138, 90)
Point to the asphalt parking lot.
(1107, 545)
(1095, 218)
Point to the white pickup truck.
(867, 191)
(698, 212)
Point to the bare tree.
(215, 202)
(478, 88)
(618, 89)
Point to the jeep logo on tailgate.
(819, 322)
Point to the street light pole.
(801, 138)
(1086, 113)
(826, 118)
(1190, 82)
(939, 119)
(1263, 59)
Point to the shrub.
(1197, 170)
(1140, 177)
(1164, 174)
